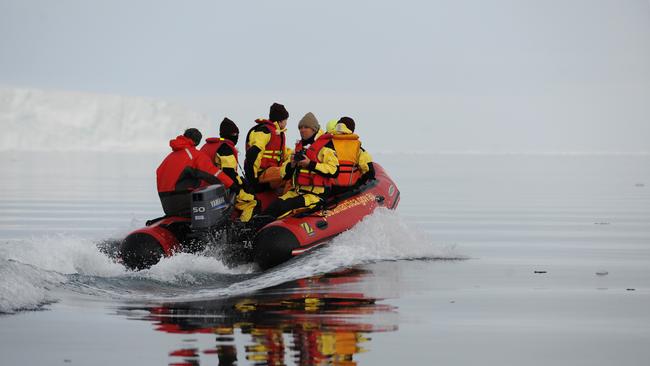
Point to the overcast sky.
(565, 75)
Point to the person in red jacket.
(184, 170)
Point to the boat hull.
(292, 236)
(273, 244)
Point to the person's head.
(279, 114)
(228, 130)
(194, 135)
(348, 122)
(308, 126)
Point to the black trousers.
(280, 207)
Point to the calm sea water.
(491, 259)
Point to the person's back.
(355, 164)
(184, 170)
(222, 150)
(348, 148)
(223, 153)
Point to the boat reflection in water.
(314, 321)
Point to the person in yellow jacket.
(312, 169)
(266, 150)
(355, 163)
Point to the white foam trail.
(24, 287)
(30, 269)
(384, 235)
(184, 268)
(62, 253)
(380, 236)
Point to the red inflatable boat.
(268, 246)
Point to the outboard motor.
(211, 208)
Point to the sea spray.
(25, 287)
(62, 253)
(379, 237)
(82, 267)
(31, 268)
(189, 269)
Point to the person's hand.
(304, 163)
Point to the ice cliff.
(39, 120)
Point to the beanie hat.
(309, 120)
(348, 122)
(228, 128)
(194, 135)
(278, 113)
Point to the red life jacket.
(348, 148)
(307, 177)
(273, 153)
(185, 166)
(182, 171)
(213, 144)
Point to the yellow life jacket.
(348, 149)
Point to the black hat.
(228, 128)
(278, 113)
(194, 135)
(348, 122)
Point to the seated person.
(184, 170)
(266, 150)
(312, 170)
(355, 163)
(223, 153)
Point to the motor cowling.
(211, 207)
